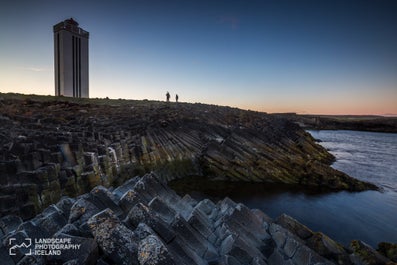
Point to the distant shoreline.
(368, 123)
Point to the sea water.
(370, 216)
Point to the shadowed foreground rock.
(54, 146)
(145, 222)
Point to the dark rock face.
(366, 255)
(52, 147)
(163, 228)
(347, 122)
(388, 250)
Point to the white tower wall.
(71, 60)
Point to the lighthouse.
(71, 59)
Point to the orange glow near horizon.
(325, 101)
(387, 106)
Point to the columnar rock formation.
(145, 222)
(52, 146)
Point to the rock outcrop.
(54, 146)
(345, 122)
(145, 222)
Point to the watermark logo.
(42, 246)
(24, 245)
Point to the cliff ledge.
(54, 146)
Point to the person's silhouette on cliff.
(176, 97)
(168, 96)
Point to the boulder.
(193, 238)
(140, 213)
(152, 251)
(328, 248)
(82, 210)
(292, 248)
(102, 198)
(294, 226)
(317, 241)
(116, 241)
(388, 250)
(365, 254)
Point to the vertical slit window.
(58, 67)
(79, 67)
(73, 66)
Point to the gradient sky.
(319, 57)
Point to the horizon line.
(391, 115)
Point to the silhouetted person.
(176, 97)
(168, 96)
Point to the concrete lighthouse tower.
(71, 59)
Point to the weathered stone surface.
(319, 242)
(183, 253)
(129, 200)
(33, 230)
(82, 210)
(5, 257)
(68, 229)
(9, 223)
(294, 226)
(51, 220)
(65, 204)
(293, 248)
(103, 199)
(328, 248)
(140, 213)
(388, 250)
(116, 241)
(364, 254)
(31, 260)
(47, 152)
(201, 223)
(239, 249)
(163, 228)
(188, 234)
(152, 251)
(166, 213)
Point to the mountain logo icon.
(24, 245)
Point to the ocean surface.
(370, 216)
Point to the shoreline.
(366, 123)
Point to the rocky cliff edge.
(55, 146)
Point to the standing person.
(168, 96)
(176, 97)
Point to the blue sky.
(331, 57)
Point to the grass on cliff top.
(146, 102)
(121, 102)
(97, 101)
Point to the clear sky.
(320, 57)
